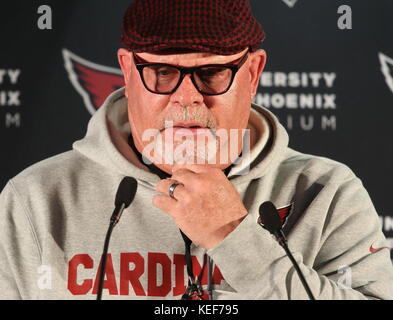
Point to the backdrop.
(329, 79)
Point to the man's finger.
(197, 168)
(184, 176)
(166, 204)
(164, 185)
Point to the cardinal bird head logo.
(387, 69)
(290, 3)
(283, 212)
(94, 82)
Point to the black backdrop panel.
(331, 88)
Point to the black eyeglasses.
(211, 79)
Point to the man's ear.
(257, 64)
(124, 58)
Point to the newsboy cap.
(223, 27)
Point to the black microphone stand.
(270, 220)
(114, 220)
(282, 241)
(124, 196)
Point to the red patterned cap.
(222, 27)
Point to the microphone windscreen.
(269, 216)
(126, 191)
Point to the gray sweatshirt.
(54, 216)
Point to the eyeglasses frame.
(184, 71)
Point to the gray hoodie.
(54, 216)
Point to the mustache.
(202, 117)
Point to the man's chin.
(168, 168)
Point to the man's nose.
(187, 94)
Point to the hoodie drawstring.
(194, 290)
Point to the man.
(191, 70)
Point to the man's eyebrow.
(141, 60)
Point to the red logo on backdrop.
(94, 82)
(387, 69)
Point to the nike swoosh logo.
(373, 250)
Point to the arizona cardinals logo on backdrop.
(387, 69)
(290, 3)
(93, 82)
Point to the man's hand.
(207, 206)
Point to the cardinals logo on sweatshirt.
(94, 82)
(284, 212)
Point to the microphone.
(124, 196)
(270, 220)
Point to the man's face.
(149, 113)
